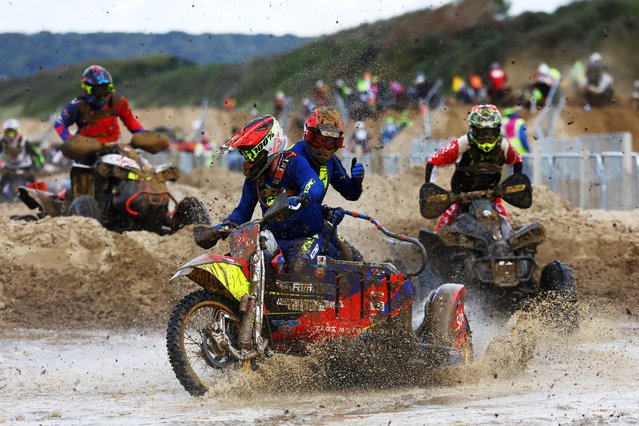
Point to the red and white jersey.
(462, 151)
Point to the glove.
(206, 236)
(295, 202)
(334, 216)
(357, 170)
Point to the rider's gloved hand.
(334, 216)
(357, 170)
(206, 236)
(294, 201)
(298, 201)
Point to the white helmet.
(11, 123)
(595, 58)
(543, 68)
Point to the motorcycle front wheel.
(195, 355)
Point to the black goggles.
(486, 134)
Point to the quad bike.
(250, 307)
(496, 260)
(119, 188)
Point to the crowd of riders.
(99, 109)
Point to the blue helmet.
(97, 81)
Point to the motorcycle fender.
(45, 201)
(221, 274)
(529, 234)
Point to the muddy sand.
(83, 312)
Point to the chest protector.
(266, 193)
(89, 116)
(16, 153)
(478, 170)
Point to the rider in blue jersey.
(323, 136)
(270, 170)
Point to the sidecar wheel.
(190, 211)
(559, 287)
(86, 206)
(195, 358)
(444, 313)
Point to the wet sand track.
(83, 313)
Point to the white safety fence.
(591, 171)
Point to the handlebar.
(467, 197)
(396, 236)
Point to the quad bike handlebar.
(515, 190)
(395, 236)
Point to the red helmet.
(258, 142)
(323, 133)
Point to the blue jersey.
(332, 173)
(298, 178)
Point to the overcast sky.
(302, 18)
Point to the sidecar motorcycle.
(249, 307)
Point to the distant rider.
(515, 129)
(599, 83)
(17, 153)
(497, 79)
(323, 136)
(270, 170)
(479, 158)
(97, 110)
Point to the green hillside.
(24, 54)
(456, 39)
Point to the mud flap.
(433, 200)
(517, 191)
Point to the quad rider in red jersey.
(97, 110)
(479, 158)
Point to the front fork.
(252, 309)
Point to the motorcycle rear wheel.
(195, 358)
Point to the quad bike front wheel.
(559, 287)
(193, 339)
